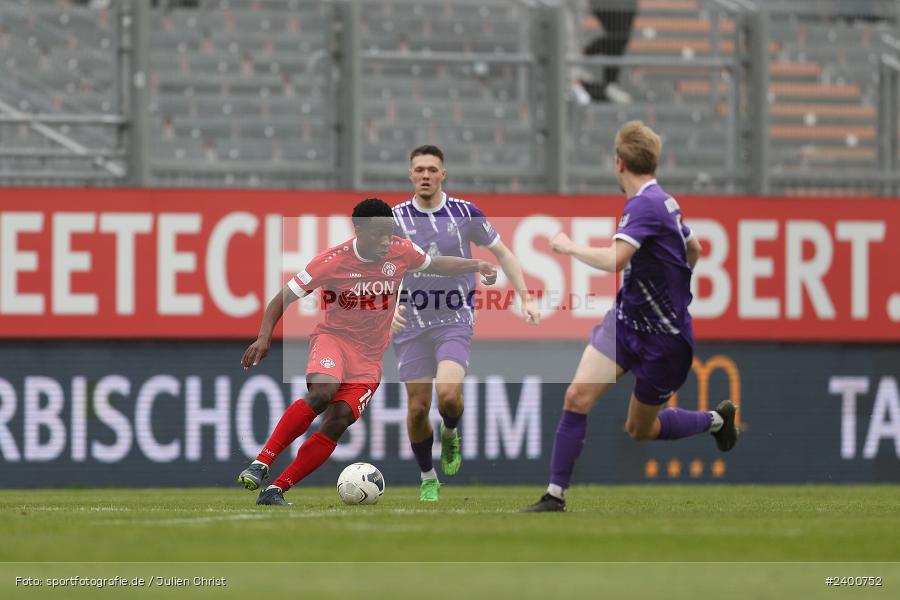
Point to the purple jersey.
(656, 287)
(446, 230)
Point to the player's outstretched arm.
(513, 270)
(260, 348)
(610, 259)
(453, 265)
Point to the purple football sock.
(677, 423)
(422, 452)
(450, 422)
(567, 445)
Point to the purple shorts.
(418, 356)
(660, 363)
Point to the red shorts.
(359, 374)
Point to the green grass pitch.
(616, 541)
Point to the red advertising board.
(118, 263)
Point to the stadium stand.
(823, 74)
(58, 60)
(674, 97)
(249, 93)
(823, 94)
(481, 112)
(242, 94)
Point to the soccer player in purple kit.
(648, 331)
(433, 329)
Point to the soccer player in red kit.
(359, 279)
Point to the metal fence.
(62, 95)
(827, 124)
(789, 97)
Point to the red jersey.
(359, 295)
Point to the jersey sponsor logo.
(304, 277)
(327, 363)
(623, 221)
(364, 295)
(389, 269)
(372, 288)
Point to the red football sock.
(292, 424)
(313, 453)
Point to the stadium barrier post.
(758, 96)
(557, 90)
(135, 31)
(349, 113)
(887, 122)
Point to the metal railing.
(39, 146)
(739, 113)
(865, 137)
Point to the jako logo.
(355, 275)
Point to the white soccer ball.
(360, 483)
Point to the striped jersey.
(656, 285)
(449, 229)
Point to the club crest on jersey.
(433, 250)
(389, 269)
(327, 363)
(451, 227)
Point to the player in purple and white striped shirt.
(433, 327)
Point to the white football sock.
(429, 475)
(447, 433)
(717, 422)
(275, 487)
(556, 491)
(259, 462)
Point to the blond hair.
(639, 148)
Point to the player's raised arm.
(453, 265)
(275, 309)
(611, 259)
(513, 270)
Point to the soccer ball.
(360, 483)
